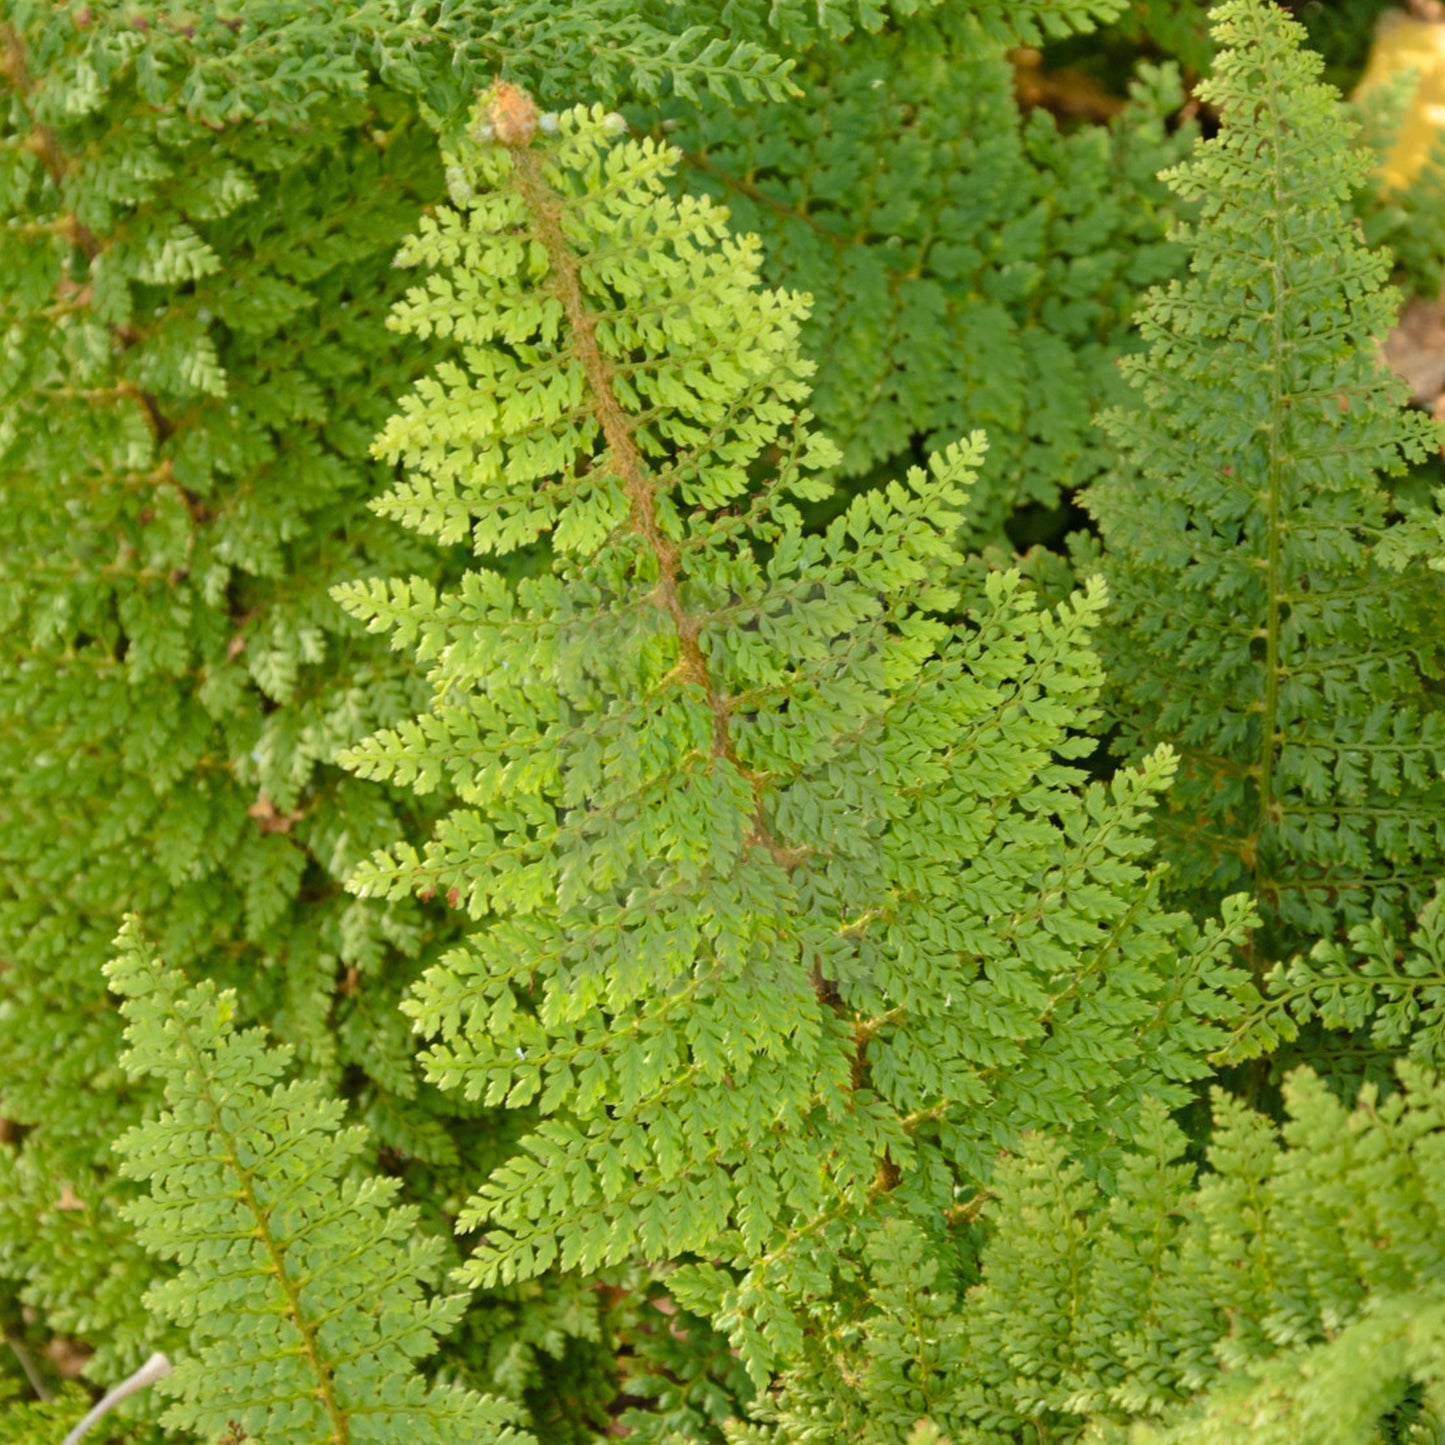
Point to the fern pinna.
(790, 900)
(1256, 627)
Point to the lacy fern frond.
(38, 1422)
(907, 1350)
(299, 1282)
(1177, 28)
(790, 897)
(1036, 22)
(1255, 628)
(799, 24)
(652, 49)
(1292, 1293)
(1368, 982)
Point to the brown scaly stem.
(514, 123)
(513, 119)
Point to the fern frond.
(1014, 22)
(1369, 982)
(927, 216)
(1256, 629)
(299, 1282)
(772, 865)
(38, 1422)
(1037, 22)
(1293, 1294)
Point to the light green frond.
(298, 1280)
(790, 897)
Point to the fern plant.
(969, 267)
(1295, 1291)
(37, 1421)
(298, 1283)
(182, 467)
(1245, 537)
(790, 899)
(1365, 983)
(801, 1006)
(200, 214)
(1290, 1293)
(200, 209)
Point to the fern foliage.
(201, 209)
(1290, 1293)
(712, 934)
(800, 24)
(181, 467)
(297, 1281)
(37, 1422)
(1295, 1289)
(1256, 627)
(772, 865)
(1367, 983)
(969, 267)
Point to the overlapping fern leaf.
(1294, 1293)
(970, 266)
(1257, 627)
(34, 1421)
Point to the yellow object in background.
(1404, 43)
